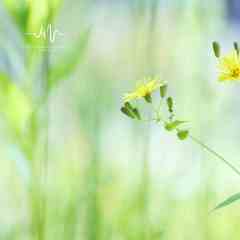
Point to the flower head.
(229, 67)
(144, 90)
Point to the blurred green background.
(72, 166)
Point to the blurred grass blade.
(15, 105)
(68, 63)
(19, 11)
(228, 201)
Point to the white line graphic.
(48, 33)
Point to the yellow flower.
(229, 67)
(144, 90)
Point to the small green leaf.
(170, 104)
(148, 98)
(216, 49)
(228, 201)
(127, 112)
(163, 90)
(173, 125)
(182, 134)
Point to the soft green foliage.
(11, 97)
(26, 116)
(72, 56)
(72, 167)
(20, 12)
(30, 15)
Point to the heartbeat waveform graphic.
(48, 33)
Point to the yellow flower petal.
(143, 90)
(229, 67)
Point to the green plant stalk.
(145, 185)
(94, 216)
(203, 145)
(40, 165)
(45, 158)
(94, 219)
(217, 155)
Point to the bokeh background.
(72, 166)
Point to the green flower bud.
(127, 112)
(163, 90)
(128, 105)
(170, 104)
(136, 113)
(148, 98)
(236, 47)
(133, 111)
(182, 134)
(216, 49)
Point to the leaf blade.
(235, 197)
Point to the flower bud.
(128, 105)
(136, 113)
(182, 134)
(163, 90)
(127, 112)
(148, 98)
(216, 49)
(236, 47)
(170, 104)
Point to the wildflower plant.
(229, 66)
(143, 92)
(165, 114)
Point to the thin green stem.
(217, 155)
(157, 109)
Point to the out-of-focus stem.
(152, 7)
(46, 138)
